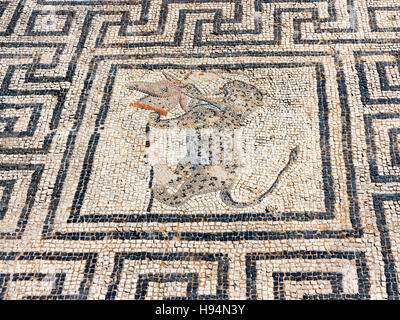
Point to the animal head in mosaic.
(242, 97)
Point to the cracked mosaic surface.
(183, 149)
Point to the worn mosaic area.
(183, 149)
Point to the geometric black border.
(219, 21)
(383, 80)
(8, 131)
(5, 198)
(358, 257)
(335, 279)
(191, 289)
(91, 259)
(394, 138)
(371, 149)
(387, 253)
(222, 275)
(373, 22)
(65, 30)
(32, 189)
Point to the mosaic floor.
(183, 149)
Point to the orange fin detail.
(143, 106)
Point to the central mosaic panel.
(195, 151)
